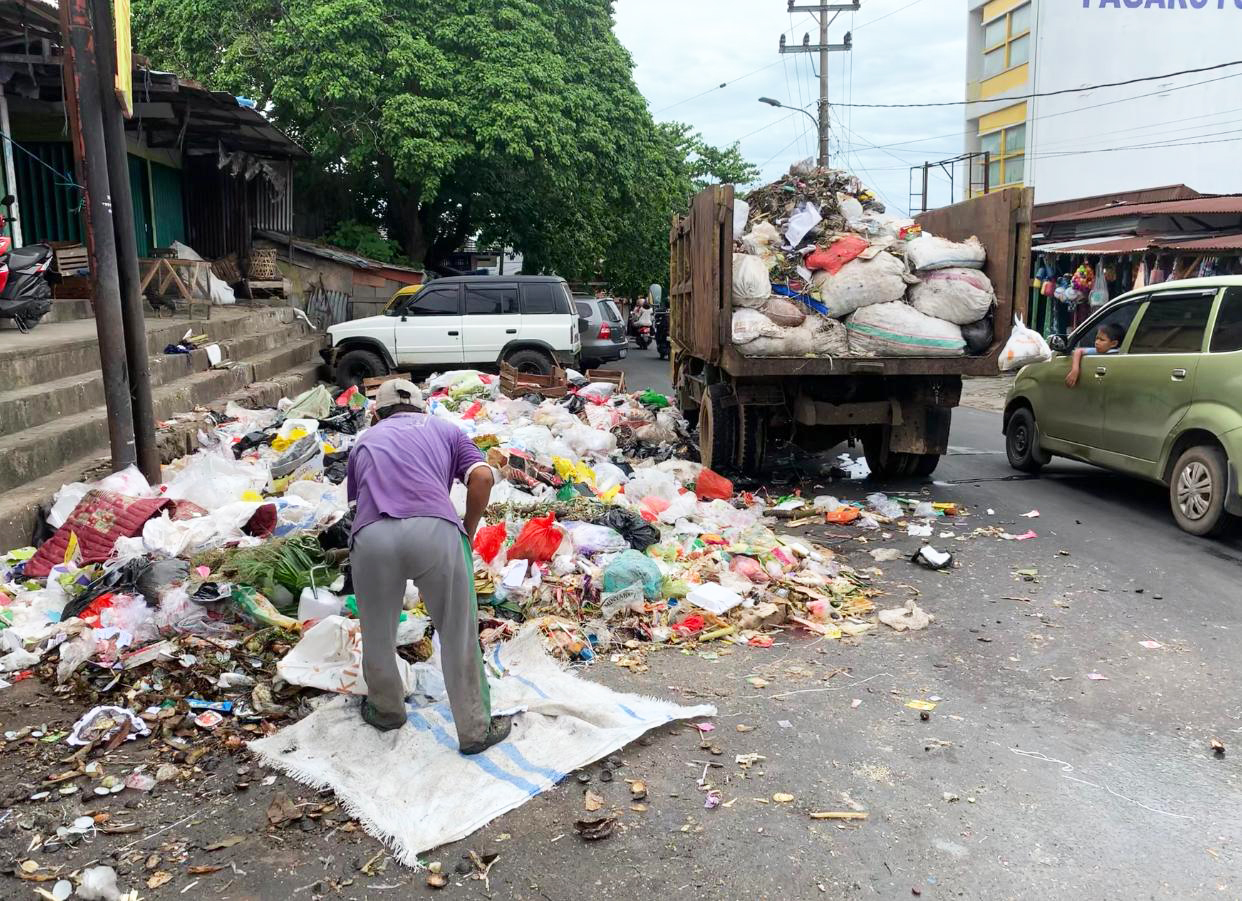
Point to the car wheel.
(1197, 490)
(1022, 442)
(356, 365)
(531, 362)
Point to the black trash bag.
(251, 440)
(123, 578)
(336, 536)
(979, 335)
(336, 466)
(157, 575)
(212, 593)
(633, 528)
(348, 423)
(575, 404)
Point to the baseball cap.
(398, 391)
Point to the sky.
(905, 51)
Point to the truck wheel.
(885, 463)
(356, 365)
(1197, 491)
(1022, 442)
(752, 441)
(531, 362)
(717, 429)
(925, 464)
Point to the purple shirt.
(404, 466)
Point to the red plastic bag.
(836, 254)
(713, 486)
(538, 540)
(488, 541)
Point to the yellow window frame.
(1009, 38)
(1003, 157)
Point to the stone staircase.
(53, 423)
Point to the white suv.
(527, 321)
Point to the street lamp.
(771, 102)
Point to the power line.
(723, 84)
(1093, 87)
(885, 16)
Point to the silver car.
(603, 331)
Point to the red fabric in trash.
(99, 519)
(711, 486)
(488, 541)
(538, 540)
(262, 522)
(836, 254)
(183, 510)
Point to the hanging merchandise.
(1099, 293)
(1083, 280)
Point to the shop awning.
(1117, 244)
(1123, 244)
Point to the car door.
(1075, 415)
(492, 319)
(548, 315)
(1148, 389)
(428, 330)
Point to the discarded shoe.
(497, 731)
(378, 720)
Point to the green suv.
(1164, 405)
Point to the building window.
(1007, 146)
(1007, 41)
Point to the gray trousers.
(437, 557)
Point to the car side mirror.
(403, 317)
(1058, 343)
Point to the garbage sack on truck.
(860, 283)
(899, 330)
(927, 252)
(751, 286)
(979, 335)
(956, 295)
(816, 336)
(783, 312)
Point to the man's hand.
(478, 492)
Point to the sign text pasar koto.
(1163, 4)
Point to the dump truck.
(899, 408)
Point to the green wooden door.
(140, 195)
(168, 205)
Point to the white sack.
(899, 330)
(860, 283)
(1024, 346)
(957, 295)
(751, 286)
(929, 252)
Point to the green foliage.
(517, 120)
(363, 238)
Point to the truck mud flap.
(922, 430)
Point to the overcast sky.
(904, 52)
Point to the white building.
(1185, 129)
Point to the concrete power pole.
(823, 48)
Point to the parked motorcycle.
(25, 279)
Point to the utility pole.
(86, 130)
(132, 314)
(823, 48)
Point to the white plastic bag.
(1024, 346)
(751, 286)
(805, 218)
(929, 252)
(212, 481)
(860, 283)
(899, 330)
(329, 657)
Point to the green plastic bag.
(633, 568)
(651, 398)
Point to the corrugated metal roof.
(1105, 246)
(328, 252)
(1202, 206)
(1048, 210)
(1230, 243)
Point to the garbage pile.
(820, 269)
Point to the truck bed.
(701, 290)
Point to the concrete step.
(30, 454)
(19, 507)
(33, 405)
(61, 311)
(72, 348)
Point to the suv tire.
(1197, 490)
(355, 365)
(1022, 442)
(531, 362)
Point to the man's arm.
(478, 492)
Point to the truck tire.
(531, 362)
(356, 365)
(1022, 442)
(925, 464)
(752, 439)
(1197, 491)
(885, 463)
(717, 429)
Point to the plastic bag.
(590, 539)
(329, 657)
(979, 335)
(633, 568)
(629, 599)
(836, 254)
(1099, 292)
(1024, 346)
(212, 481)
(805, 218)
(608, 476)
(99, 884)
(652, 482)
(654, 399)
(749, 568)
(489, 540)
(783, 312)
(538, 540)
(712, 486)
(751, 286)
(641, 535)
(74, 653)
(884, 505)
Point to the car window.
(491, 299)
(1173, 324)
(611, 312)
(584, 309)
(1122, 316)
(434, 301)
(540, 297)
(1227, 336)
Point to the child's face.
(1103, 343)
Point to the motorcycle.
(642, 336)
(25, 282)
(660, 322)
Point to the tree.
(514, 120)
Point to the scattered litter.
(931, 558)
(911, 617)
(1034, 514)
(1151, 645)
(1097, 677)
